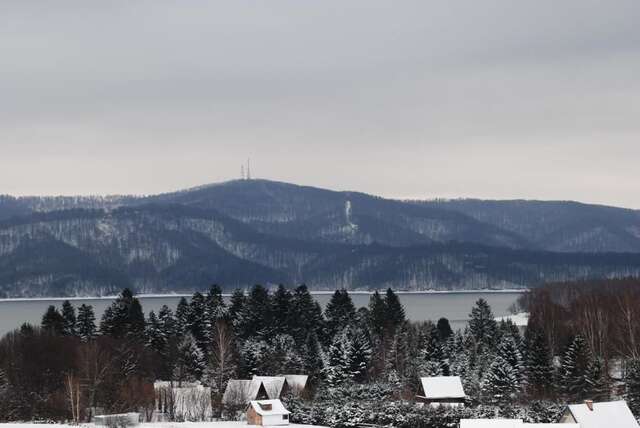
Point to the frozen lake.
(418, 306)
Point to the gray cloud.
(495, 99)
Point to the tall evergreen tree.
(282, 311)
(183, 313)
(196, 320)
(255, 318)
(313, 358)
(238, 300)
(395, 311)
(598, 380)
(337, 369)
(483, 326)
(53, 321)
(124, 318)
(538, 364)
(444, 329)
(306, 316)
(500, 383)
(377, 315)
(69, 315)
(433, 362)
(508, 350)
(156, 339)
(339, 312)
(575, 369)
(86, 323)
(358, 354)
(191, 362)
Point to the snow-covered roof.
(272, 384)
(269, 407)
(297, 382)
(507, 423)
(609, 414)
(241, 391)
(437, 387)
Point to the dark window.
(285, 417)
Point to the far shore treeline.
(582, 341)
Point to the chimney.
(589, 404)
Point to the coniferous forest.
(582, 342)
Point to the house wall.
(253, 418)
(274, 420)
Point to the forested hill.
(256, 231)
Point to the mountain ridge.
(247, 231)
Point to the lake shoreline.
(316, 292)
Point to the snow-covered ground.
(520, 319)
(225, 424)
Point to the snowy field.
(226, 424)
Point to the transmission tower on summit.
(248, 168)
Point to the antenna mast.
(242, 172)
(248, 168)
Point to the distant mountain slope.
(242, 232)
(163, 248)
(557, 226)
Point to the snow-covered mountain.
(243, 232)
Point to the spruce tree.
(154, 334)
(124, 318)
(255, 318)
(444, 329)
(395, 315)
(377, 315)
(598, 380)
(196, 320)
(575, 369)
(191, 362)
(358, 354)
(69, 315)
(508, 350)
(182, 316)
(433, 362)
(306, 316)
(282, 311)
(538, 364)
(483, 326)
(86, 323)
(313, 358)
(500, 383)
(340, 312)
(337, 368)
(216, 308)
(238, 300)
(53, 321)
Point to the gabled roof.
(604, 415)
(297, 382)
(273, 385)
(437, 387)
(241, 391)
(261, 407)
(508, 423)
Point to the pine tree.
(124, 318)
(313, 358)
(395, 315)
(306, 316)
(282, 311)
(191, 363)
(86, 323)
(433, 362)
(154, 334)
(575, 369)
(69, 315)
(340, 312)
(500, 383)
(254, 358)
(216, 308)
(53, 321)
(377, 315)
(483, 326)
(182, 316)
(255, 317)
(509, 352)
(632, 385)
(444, 329)
(538, 364)
(238, 300)
(196, 320)
(358, 354)
(337, 366)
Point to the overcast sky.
(492, 99)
